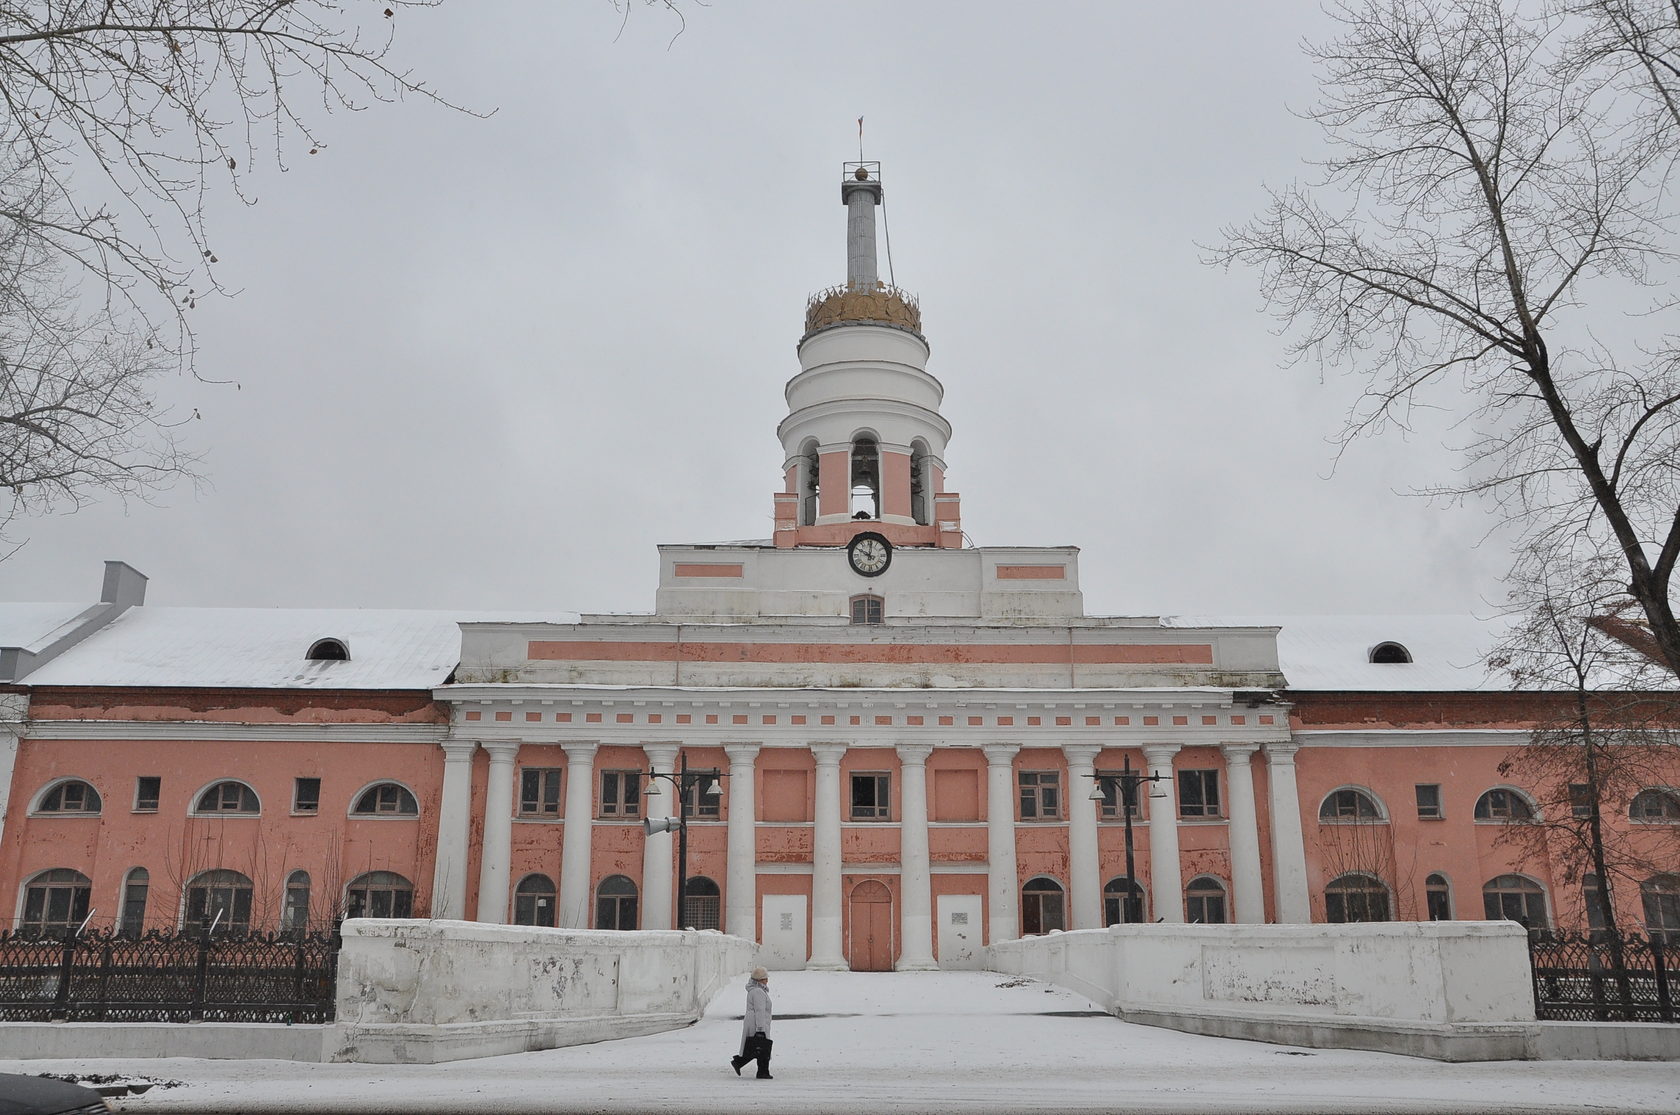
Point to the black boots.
(757, 1049)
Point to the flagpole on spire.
(860, 139)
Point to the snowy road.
(928, 1042)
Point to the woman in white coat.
(755, 1026)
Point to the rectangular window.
(1112, 793)
(871, 797)
(306, 795)
(701, 804)
(539, 792)
(1429, 801)
(1041, 795)
(1580, 799)
(621, 793)
(1198, 793)
(146, 790)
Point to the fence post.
(104, 980)
(201, 978)
(66, 963)
(1659, 964)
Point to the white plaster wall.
(1431, 972)
(442, 990)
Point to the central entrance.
(871, 939)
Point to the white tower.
(863, 442)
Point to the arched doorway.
(872, 928)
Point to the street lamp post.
(682, 778)
(1126, 782)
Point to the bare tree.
(1607, 737)
(117, 119)
(1484, 178)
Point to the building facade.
(898, 747)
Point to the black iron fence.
(168, 976)
(1602, 977)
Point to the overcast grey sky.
(493, 362)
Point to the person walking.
(755, 1026)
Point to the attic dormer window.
(328, 650)
(1386, 654)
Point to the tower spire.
(861, 192)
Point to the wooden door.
(872, 928)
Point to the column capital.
(914, 754)
(1000, 754)
(1161, 754)
(458, 750)
(501, 750)
(742, 754)
(1282, 752)
(580, 751)
(1081, 754)
(1239, 752)
(661, 756)
(828, 754)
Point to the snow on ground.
(916, 1042)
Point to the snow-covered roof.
(258, 648)
(1449, 653)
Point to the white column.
(741, 913)
(1002, 882)
(1289, 850)
(1166, 876)
(915, 864)
(14, 714)
(1084, 872)
(449, 875)
(1248, 899)
(496, 851)
(826, 954)
(658, 849)
(575, 865)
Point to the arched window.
(868, 609)
(1655, 805)
(1042, 906)
(1505, 805)
(294, 916)
(385, 799)
(219, 898)
(228, 798)
(55, 901)
(866, 478)
(1661, 895)
(1437, 897)
(1390, 654)
(131, 918)
(1204, 901)
(379, 894)
(615, 903)
(533, 901)
(1350, 806)
(328, 650)
(701, 905)
(805, 479)
(921, 483)
(1356, 896)
(1514, 898)
(1122, 902)
(71, 796)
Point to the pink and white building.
(918, 739)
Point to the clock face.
(870, 554)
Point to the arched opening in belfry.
(866, 478)
(921, 483)
(806, 482)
